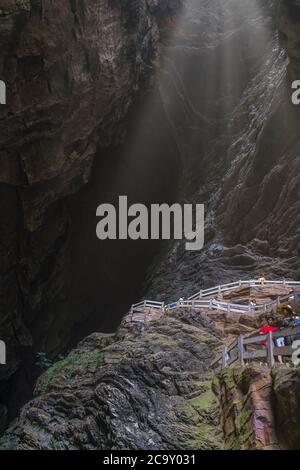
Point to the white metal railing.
(147, 304)
(198, 300)
(264, 345)
(218, 305)
(233, 285)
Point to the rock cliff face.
(289, 25)
(238, 135)
(259, 407)
(286, 386)
(148, 387)
(73, 70)
(219, 121)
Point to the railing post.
(132, 311)
(224, 357)
(220, 289)
(240, 283)
(201, 294)
(211, 304)
(241, 349)
(163, 306)
(270, 349)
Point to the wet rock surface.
(238, 134)
(259, 407)
(147, 387)
(152, 386)
(286, 406)
(74, 70)
(246, 408)
(224, 100)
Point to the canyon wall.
(146, 387)
(74, 72)
(221, 126)
(259, 407)
(227, 90)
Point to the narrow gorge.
(163, 101)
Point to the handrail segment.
(198, 300)
(244, 348)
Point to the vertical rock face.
(148, 387)
(73, 70)
(247, 412)
(289, 25)
(286, 406)
(259, 407)
(228, 94)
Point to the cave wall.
(289, 24)
(239, 142)
(75, 73)
(148, 387)
(260, 197)
(73, 70)
(259, 407)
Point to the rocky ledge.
(73, 70)
(147, 387)
(260, 407)
(150, 386)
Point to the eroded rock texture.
(247, 413)
(286, 406)
(147, 387)
(289, 25)
(227, 91)
(73, 70)
(259, 407)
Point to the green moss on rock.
(9, 7)
(60, 373)
(203, 411)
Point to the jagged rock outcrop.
(247, 413)
(72, 79)
(286, 390)
(238, 133)
(289, 26)
(147, 387)
(259, 407)
(150, 386)
(73, 71)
